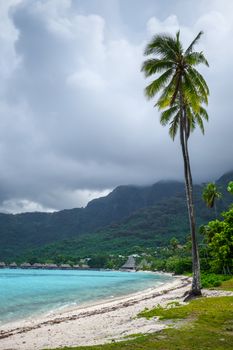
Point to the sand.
(108, 321)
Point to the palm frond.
(183, 89)
(200, 77)
(157, 84)
(190, 122)
(177, 80)
(155, 65)
(196, 118)
(167, 96)
(199, 85)
(167, 115)
(164, 100)
(162, 45)
(178, 43)
(203, 113)
(194, 42)
(200, 123)
(191, 95)
(195, 58)
(174, 126)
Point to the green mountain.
(128, 218)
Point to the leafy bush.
(158, 264)
(220, 243)
(179, 265)
(213, 280)
(98, 261)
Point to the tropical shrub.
(213, 280)
(219, 236)
(179, 265)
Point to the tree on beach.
(183, 91)
(210, 194)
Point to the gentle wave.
(28, 292)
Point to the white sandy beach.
(96, 324)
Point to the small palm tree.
(210, 194)
(183, 93)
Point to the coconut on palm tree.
(183, 92)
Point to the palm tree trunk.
(196, 282)
(215, 210)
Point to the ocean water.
(24, 293)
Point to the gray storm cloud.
(74, 120)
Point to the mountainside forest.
(127, 220)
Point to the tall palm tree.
(183, 91)
(210, 194)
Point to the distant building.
(77, 267)
(130, 264)
(38, 266)
(2, 264)
(85, 266)
(25, 266)
(50, 266)
(65, 266)
(13, 265)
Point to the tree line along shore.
(129, 265)
(44, 266)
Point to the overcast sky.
(74, 122)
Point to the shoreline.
(107, 300)
(95, 323)
(72, 306)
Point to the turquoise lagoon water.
(24, 293)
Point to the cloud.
(22, 205)
(74, 120)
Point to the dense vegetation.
(150, 217)
(21, 232)
(219, 237)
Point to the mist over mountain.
(132, 215)
(74, 66)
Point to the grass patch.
(173, 311)
(227, 285)
(210, 326)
